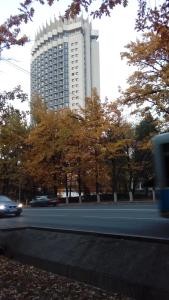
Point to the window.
(60, 70)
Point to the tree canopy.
(13, 131)
(10, 31)
(94, 150)
(148, 86)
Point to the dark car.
(44, 201)
(9, 207)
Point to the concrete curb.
(150, 239)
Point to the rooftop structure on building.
(65, 63)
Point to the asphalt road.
(132, 219)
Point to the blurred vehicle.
(44, 201)
(161, 162)
(9, 207)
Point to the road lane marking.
(126, 218)
(96, 209)
(44, 215)
(104, 217)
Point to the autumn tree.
(148, 86)
(89, 150)
(43, 155)
(56, 149)
(38, 110)
(10, 31)
(116, 138)
(95, 124)
(128, 150)
(131, 154)
(73, 146)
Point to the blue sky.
(114, 33)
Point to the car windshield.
(4, 199)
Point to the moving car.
(9, 207)
(43, 201)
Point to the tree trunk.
(130, 196)
(97, 178)
(66, 188)
(115, 197)
(97, 190)
(154, 195)
(114, 180)
(98, 198)
(70, 187)
(79, 185)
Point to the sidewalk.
(20, 282)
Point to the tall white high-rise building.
(65, 63)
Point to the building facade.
(65, 63)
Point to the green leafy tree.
(13, 131)
(143, 156)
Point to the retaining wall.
(137, 267)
